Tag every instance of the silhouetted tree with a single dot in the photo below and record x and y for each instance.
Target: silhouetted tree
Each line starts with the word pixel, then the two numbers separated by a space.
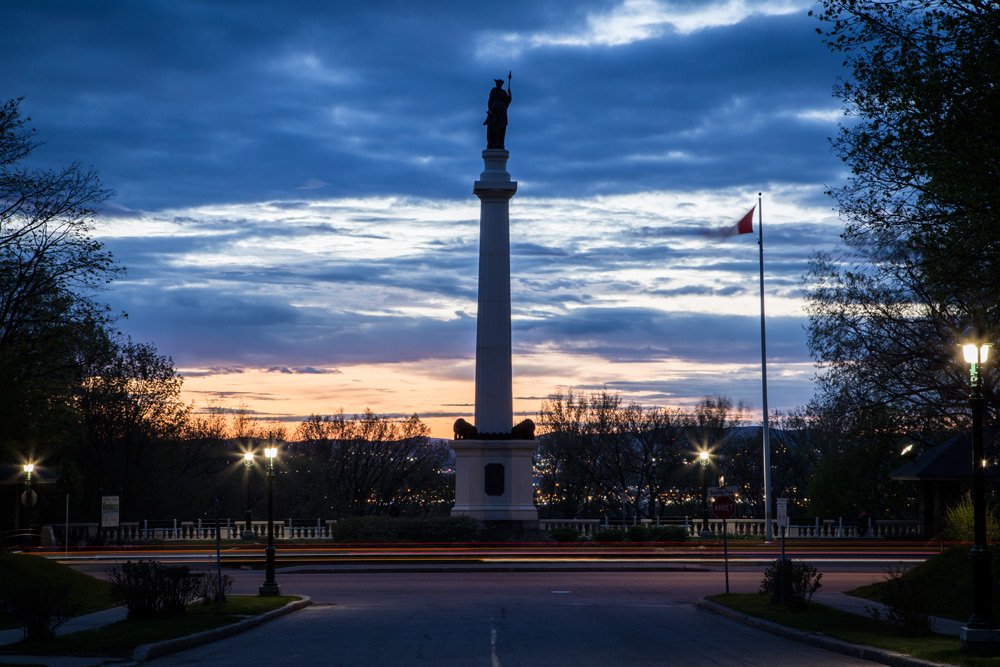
pixel 594 450
pixel 362 465
pixel 51 268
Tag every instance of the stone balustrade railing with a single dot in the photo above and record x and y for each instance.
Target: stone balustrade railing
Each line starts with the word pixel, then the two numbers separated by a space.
pixel 175 531
pixel 586 527
pixel 754 528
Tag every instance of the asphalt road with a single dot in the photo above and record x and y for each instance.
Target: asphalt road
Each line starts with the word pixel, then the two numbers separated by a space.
pixel 510 619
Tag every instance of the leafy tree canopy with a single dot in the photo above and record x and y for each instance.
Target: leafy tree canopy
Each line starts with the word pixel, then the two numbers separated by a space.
pixel 921 255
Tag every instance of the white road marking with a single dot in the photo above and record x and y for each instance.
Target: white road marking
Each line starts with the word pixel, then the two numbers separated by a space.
pixel 494 658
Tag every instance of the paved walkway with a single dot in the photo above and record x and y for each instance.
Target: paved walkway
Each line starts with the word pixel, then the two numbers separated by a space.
pixel 85 622
pixel 860 606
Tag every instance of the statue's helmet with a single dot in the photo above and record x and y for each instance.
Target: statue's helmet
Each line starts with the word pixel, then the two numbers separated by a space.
pixel 499 82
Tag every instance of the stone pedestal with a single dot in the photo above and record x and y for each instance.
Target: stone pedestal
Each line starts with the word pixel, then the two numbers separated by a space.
pixel 493 480
pixel 980 641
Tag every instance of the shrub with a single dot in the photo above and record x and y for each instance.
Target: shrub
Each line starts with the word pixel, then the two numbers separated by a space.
pixel 41 607
pixel 668 533
pixel 791 583
pixel 907 604
pixel 384 529
pixel 609 535
pixel 638 534
pixel 209 588
pixel 958 521
pixel 150 589
pixel 565 534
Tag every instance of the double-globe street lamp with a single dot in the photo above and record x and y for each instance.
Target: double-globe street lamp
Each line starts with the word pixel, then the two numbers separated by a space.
pixel 270 586
pixel 980 634
pixel 247 468
pixel 704 459
pixel 28 498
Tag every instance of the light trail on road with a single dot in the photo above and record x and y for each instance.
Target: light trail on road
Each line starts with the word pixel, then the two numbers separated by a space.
pixel 680 554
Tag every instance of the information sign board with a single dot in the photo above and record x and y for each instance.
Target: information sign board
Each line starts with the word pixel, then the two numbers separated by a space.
pixel 782 507
pixel 109 511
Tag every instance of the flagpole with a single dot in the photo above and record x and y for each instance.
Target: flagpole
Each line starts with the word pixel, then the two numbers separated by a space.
pixel 768 534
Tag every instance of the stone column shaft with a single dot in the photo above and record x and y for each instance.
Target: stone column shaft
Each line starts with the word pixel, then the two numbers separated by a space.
pixel 494 396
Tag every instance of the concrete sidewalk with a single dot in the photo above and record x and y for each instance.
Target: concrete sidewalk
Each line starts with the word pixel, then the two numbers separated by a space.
pixel 85 622
pixel 861 606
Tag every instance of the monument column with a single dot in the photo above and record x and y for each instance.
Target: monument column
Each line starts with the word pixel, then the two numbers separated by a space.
pixel 493 458
pixel 494 400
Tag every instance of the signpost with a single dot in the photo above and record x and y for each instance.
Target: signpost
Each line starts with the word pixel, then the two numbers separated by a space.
pixel 782 507
pixel 724 507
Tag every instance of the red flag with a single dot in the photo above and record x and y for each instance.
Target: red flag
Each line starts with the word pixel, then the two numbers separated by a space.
pixel 745 225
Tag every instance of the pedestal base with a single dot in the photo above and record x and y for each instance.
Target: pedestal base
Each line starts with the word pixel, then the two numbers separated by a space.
pixel 984 642
pixel 493 480
pixel 269 589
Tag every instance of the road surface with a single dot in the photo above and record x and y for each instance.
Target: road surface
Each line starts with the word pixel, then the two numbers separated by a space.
pixel 510 619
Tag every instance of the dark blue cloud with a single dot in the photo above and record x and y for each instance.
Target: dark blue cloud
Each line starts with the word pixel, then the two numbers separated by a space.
pixel 199 102
pixel 303 109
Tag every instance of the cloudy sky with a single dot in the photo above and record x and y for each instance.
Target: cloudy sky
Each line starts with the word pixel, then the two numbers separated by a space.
pixel 293 190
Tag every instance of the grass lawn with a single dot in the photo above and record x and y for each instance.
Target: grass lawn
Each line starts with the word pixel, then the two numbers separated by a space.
pixel 86 594
pixel 121 639
pixel 945 580
pixel 853 628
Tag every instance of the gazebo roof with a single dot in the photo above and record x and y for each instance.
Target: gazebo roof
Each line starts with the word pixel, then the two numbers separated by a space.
pixel 949 461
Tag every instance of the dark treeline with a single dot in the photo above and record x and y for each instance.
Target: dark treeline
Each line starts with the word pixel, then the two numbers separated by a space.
pixel 367 465
pixel 600 457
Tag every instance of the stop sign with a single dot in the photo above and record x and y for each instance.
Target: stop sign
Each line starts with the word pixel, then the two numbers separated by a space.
pixel 723 507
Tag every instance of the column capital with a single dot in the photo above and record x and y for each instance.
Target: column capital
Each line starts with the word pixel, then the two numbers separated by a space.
pixel 502 190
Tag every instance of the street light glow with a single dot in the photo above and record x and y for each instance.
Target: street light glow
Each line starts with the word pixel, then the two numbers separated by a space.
pixel 270 452
pixel 975 354
pixel 29 468
pixel 248 458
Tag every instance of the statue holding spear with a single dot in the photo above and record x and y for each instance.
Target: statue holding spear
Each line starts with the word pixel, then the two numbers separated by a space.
pixel 496 114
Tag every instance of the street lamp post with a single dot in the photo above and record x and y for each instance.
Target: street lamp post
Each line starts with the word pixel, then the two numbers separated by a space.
pixel 703 459
pixel 27 501
pixel 247 467
pixel 980 634
pixel 270 586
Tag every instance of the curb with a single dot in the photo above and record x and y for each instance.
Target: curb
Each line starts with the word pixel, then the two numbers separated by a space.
pixel 168 646
pixel 883 656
